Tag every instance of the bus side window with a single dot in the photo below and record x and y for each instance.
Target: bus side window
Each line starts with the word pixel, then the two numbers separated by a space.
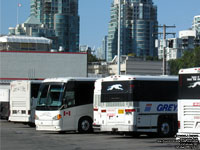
pixel 69 98
pixel 84 92
pixel 69 95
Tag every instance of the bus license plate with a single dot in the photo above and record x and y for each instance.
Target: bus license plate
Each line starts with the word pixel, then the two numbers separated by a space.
pixel 120 111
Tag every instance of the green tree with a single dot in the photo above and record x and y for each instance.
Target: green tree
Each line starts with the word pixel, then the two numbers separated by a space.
pixel 92 58
pixel 188 60
pixel 132 54
pixel 197 57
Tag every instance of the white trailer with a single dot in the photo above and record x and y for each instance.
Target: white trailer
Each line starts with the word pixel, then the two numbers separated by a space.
pixel 23 99
pixel 189 106
pixel 4 103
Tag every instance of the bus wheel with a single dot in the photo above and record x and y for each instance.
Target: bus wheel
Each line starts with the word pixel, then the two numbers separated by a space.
pixel 62 132
pixel 165 128
pixel 85 125
pixel 30 124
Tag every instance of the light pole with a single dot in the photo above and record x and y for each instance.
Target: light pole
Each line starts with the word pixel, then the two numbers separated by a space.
pixel 118 47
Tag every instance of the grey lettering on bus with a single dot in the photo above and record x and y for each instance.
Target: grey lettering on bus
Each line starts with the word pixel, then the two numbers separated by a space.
pixel 167 107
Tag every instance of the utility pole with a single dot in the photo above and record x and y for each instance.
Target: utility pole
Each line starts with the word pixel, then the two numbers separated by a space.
pixel 118 47
pixel 164 45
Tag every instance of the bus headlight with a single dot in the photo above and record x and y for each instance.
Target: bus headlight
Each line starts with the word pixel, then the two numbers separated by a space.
pixel 57 117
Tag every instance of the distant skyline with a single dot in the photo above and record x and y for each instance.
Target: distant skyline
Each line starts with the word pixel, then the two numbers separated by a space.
pixel 95 15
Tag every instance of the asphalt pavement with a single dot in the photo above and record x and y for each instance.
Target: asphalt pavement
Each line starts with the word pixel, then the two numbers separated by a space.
pixel 17 136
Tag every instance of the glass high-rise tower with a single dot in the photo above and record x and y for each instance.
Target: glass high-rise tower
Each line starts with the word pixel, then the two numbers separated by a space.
pixel 138 27
pixel 61 19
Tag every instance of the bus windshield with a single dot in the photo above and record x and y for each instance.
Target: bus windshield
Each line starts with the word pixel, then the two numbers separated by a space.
pixel 189 86
pixel 50 96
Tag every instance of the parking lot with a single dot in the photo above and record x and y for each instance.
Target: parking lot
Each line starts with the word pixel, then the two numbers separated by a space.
pixel 17 136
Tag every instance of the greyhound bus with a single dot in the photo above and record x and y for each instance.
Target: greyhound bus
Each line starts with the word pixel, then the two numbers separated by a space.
pixel 23 98
pixel 189 105
pixel 136 104
pixel 65 104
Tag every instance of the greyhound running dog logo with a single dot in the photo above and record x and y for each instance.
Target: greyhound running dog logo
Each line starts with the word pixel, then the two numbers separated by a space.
pixel 116 87
pixel 195 84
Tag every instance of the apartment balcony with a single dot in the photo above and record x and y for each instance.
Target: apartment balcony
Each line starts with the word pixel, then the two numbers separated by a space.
pixel 47 5
pixel 185 41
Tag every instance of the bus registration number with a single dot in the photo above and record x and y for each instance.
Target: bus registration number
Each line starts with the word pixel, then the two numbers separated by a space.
pixel 120 111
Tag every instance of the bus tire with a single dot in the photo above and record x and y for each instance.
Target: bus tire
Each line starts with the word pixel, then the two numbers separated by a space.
pixel 85 125
pixel 136 134
pixel 31 124
pixel 165 128
pixel 61 132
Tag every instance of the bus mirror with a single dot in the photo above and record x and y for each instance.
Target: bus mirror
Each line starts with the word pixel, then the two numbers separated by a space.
pixel 64 106
pixel 65 103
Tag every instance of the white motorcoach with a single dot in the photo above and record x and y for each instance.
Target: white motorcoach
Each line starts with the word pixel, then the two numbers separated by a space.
pixel 189 105
pixel 23 99
pixel 137 104
pixel 65 104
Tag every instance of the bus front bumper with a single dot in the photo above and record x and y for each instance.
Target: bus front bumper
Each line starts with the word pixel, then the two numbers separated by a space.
pixel 48 128
pixel 48 125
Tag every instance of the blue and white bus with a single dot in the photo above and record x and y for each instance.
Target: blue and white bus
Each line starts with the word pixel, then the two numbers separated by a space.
pixel 131 103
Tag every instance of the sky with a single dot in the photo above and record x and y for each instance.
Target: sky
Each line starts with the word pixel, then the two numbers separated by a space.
pixel 95 15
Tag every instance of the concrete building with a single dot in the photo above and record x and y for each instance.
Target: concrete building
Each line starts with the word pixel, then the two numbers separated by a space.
pixel 187 33
pixel 40 65
pixel 129 66
pixel 86 49
pixel 188 39
pixel 31 27
pixel 196 24
pixel 196 27
pixel 99 52
pixel 54 19
pixel 175 47
pixel 24 43
pixel 138 23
